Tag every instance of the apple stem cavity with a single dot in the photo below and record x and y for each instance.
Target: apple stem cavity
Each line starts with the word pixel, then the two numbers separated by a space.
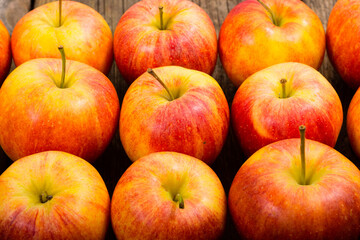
pixel 283 84
pixel 302 154
pixel 161 82
pixel 44 197
pixel 161 8
pixel 63 61
pixel 274 20
pixel 60 10
pixel 179 198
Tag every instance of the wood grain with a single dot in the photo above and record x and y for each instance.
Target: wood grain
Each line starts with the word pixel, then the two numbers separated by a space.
pixel 12 11
pixel 114 161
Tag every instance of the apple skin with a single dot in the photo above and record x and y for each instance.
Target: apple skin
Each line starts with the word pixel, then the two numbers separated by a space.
pixel 190 39
pixel 79 209
pixel 38 116
pixel 259 117
pixel 84 33
pixel 352 123
pixel 249 40
pixel 5 50
pixel 342 43
pixel 267 202
pixel 195 123
pixel 142 205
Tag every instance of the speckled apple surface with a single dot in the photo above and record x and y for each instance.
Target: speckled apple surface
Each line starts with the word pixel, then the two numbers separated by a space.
pixel 5 52
pixel 196 122
pixel 188 40
pixel 342 43
pixel 266 200
pixel 142 205
pixel 84 33
pixel 79 207
pixel 249 40
pixel 38 115
pixel 260 115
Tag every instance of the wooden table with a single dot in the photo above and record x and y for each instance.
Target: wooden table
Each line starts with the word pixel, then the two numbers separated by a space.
pixel 114 161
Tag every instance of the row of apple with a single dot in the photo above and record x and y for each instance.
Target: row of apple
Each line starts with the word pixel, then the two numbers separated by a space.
pixel 38 115
pixel 168 195
pixel 142 30
pixel 150 121
pixel 165 195
pixel 181 33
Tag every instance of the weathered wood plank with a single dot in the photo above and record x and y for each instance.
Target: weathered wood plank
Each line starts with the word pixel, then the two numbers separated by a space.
pixel 12 11
pixel 323 9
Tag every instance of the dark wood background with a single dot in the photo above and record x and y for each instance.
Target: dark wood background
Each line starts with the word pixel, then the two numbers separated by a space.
pixel 114 161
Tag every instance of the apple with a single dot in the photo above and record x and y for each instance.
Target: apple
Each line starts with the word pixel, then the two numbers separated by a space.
pixel 274 196
pixel 83 31
pixel 53 195
pixel 352 123
pixel 181 110
pixel 5 52
pixel 168 195
pixel 272 103
pixel 47 107
pixel 154 33
pixel 342 43
pixel 258 34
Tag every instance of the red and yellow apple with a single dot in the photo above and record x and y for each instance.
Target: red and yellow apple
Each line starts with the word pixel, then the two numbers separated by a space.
pixel 53 195
pixel 182 34
pixel 257 34
pixel 168 195
pixel 40 112
pixel 263 111
pixel 269 200
pixel 5 52
pixel 82 30
pixel 353 123
pixel 342 42
pixel 194 120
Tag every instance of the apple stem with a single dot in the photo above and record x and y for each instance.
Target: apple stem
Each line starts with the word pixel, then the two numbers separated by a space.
pixel 302 153
pixel 63 61
pixel 269 11
pixel 161 82
pixel 44 197
pixel 161 8
pixel 283 84
pixel 60 9
pixel 179 198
